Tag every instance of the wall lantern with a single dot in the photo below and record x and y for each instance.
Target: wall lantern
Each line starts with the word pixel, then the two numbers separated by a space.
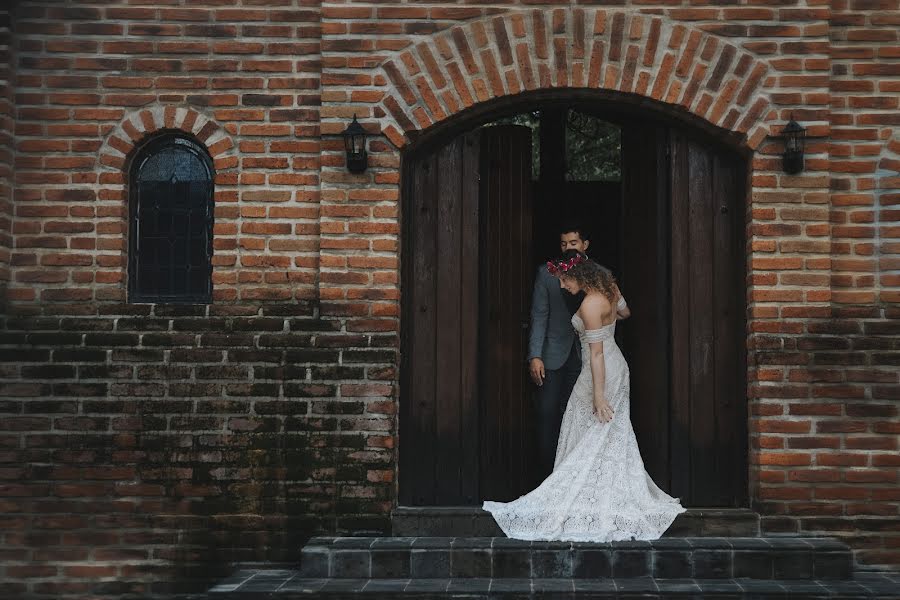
pixel 355 145
pixel 794 136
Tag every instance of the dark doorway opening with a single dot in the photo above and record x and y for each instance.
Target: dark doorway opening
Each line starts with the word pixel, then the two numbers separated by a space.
pixel 664 205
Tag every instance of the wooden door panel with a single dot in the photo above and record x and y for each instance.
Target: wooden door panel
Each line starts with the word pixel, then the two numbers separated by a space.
pixel 469 325
pixel 439 442
pixel 680 337
pixel 701 294
pixel 457 287
pixel 682 275
pixel 417 418
pixel 464 416
pixel 730 330
pixel 506 280
pixel 708 389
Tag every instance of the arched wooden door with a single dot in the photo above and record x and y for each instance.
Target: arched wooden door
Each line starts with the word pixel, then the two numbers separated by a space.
pixel 465 406
pixel 465 424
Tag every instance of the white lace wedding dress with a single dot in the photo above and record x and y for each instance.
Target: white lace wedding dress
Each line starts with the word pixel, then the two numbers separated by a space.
pixel 598 490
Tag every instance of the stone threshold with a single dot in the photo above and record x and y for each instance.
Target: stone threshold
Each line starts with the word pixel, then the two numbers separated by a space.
pixel 458 558
pixel 285 584
pixel 474 522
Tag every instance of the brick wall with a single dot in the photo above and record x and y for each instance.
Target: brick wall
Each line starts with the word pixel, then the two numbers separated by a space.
pixel 88 78
pixel 143 449
pixel 6 147
pixel 145 446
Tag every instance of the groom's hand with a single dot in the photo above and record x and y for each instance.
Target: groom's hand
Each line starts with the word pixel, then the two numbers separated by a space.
pixel 536 367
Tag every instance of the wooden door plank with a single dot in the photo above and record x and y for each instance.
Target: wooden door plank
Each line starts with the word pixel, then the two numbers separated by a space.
pixel 506 233
pixel 488 314
pixel 731 417
pixel 723 183
pixel 520 293
pixel 680 408
pixel 512 409
pixel 740 472
pixel 448 246
pixel 643 282
pixel 702 372
pixel 422 347
pixel 469 306
pixel 405 410
pixel 520 151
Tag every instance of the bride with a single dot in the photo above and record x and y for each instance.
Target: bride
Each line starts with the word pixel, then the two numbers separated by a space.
pixel 598 490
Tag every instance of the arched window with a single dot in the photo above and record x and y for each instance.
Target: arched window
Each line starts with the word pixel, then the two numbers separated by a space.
pixel 171 222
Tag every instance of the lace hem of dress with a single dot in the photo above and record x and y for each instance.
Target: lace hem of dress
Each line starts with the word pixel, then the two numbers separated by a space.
pixel 621 528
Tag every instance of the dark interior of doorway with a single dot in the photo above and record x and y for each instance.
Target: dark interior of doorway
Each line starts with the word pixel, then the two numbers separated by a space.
pixel 576 179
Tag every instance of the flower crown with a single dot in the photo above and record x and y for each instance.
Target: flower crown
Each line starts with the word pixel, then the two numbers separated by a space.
pixel 563 266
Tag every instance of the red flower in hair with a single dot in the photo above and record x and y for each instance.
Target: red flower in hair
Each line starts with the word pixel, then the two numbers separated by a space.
pixel 564 265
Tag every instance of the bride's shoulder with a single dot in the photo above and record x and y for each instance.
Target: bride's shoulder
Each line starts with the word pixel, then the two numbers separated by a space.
pixel 594 308
pixel 596 302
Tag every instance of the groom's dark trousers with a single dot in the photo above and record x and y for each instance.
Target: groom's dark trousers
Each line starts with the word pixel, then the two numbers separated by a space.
pixel 554 341
pixel 551 400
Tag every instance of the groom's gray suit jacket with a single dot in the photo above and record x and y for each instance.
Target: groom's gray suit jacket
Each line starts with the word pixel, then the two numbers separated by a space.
pixel 552 334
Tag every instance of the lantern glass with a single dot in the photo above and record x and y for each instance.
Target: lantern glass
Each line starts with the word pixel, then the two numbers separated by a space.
pixel 355 147
pixel 353 143
pixel 794 136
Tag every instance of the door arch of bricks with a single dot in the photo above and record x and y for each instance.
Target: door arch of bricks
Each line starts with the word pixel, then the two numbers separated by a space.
pixel 635 57
pixel 440 81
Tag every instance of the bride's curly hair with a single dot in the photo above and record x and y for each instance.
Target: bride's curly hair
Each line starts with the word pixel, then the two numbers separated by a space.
pixel 590 275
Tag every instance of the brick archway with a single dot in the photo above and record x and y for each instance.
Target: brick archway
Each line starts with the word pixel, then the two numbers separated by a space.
pixel 631 53
pixel 138 126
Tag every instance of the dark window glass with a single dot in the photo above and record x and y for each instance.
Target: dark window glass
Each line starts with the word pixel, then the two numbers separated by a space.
pixel 170 247
pixel 593 149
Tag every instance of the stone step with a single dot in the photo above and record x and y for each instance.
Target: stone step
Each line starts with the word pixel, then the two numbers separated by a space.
pixel 761 558
pixel 466 521
pixel 290 585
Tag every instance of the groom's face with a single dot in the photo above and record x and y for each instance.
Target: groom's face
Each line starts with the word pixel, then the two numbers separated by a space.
pixel 572 241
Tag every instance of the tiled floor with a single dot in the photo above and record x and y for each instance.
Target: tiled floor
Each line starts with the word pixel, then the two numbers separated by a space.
pixel 287 582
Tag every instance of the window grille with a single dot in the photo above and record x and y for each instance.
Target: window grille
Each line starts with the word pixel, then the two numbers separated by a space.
pixel 171 223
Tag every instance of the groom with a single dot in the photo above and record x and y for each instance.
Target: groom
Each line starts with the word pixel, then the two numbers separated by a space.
pixel 554 354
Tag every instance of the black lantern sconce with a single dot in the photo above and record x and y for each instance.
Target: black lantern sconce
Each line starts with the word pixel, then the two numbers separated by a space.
pixel 794 136
pixel 355 145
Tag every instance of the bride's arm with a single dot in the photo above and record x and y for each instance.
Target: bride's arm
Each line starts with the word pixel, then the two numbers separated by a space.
pixel 622 310
pixel 598 374
pixel 593 309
